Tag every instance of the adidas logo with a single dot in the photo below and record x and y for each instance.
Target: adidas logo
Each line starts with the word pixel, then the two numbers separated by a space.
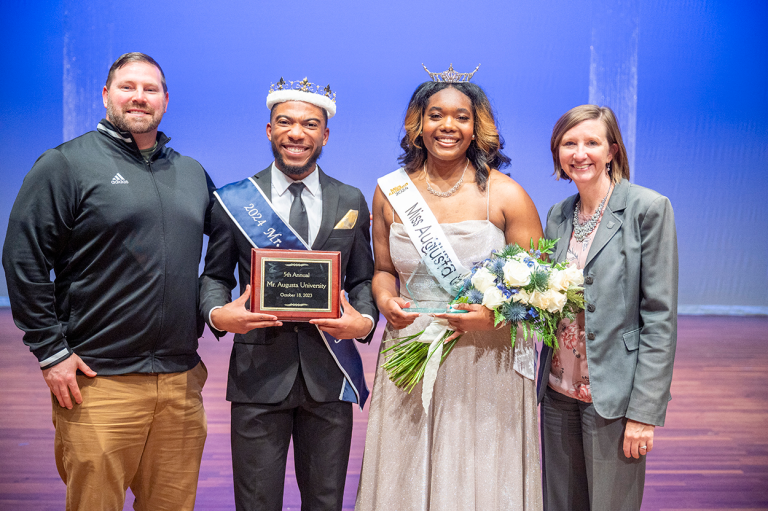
pixel 119 180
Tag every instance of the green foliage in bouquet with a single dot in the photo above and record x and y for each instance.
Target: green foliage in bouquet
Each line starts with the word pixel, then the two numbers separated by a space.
pixel 523 290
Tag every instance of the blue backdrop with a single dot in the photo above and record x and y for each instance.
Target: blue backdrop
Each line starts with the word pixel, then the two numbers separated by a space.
pixel 687 79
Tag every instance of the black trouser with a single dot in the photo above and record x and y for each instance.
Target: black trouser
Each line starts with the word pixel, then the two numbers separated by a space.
pixel 261 434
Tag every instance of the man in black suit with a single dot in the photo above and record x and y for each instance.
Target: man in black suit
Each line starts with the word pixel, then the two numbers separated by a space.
pixel 287 379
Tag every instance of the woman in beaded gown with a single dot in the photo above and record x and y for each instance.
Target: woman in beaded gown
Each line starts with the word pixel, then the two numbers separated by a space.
pixel 477 447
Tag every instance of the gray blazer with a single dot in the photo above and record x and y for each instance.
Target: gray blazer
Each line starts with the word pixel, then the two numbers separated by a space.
pixel 630 286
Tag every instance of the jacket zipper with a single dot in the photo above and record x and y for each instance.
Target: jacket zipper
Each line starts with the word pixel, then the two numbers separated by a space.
pixel 165 263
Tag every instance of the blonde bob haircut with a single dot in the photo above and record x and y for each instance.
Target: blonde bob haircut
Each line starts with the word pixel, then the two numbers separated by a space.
pixel 577 115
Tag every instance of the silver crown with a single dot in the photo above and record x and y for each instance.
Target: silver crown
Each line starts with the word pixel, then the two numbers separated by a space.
pixel 451 76
pixel 303 86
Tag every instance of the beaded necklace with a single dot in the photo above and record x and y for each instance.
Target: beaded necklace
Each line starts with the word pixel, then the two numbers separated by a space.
pixel 582 230
pixel 449 192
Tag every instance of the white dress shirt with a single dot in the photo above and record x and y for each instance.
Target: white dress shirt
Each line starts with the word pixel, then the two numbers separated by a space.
pixel 312 196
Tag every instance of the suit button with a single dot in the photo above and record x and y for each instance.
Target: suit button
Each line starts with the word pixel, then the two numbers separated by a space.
pixel 591 307
pixel 588 279
pixel 591 336
pixel 296 329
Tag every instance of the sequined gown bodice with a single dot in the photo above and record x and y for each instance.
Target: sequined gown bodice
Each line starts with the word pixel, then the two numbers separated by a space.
pixel 477 448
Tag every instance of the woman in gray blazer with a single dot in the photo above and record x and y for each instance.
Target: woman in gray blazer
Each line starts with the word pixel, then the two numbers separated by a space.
pixel 606 388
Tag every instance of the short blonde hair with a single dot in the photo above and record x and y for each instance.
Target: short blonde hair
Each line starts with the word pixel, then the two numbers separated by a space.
pixel 579 114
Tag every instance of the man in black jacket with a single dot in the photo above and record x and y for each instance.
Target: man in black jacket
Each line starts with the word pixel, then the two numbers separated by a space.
pixel 289 379
pixel 119 217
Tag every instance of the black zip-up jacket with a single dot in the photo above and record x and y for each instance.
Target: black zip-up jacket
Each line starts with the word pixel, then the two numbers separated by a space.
pixel 123 237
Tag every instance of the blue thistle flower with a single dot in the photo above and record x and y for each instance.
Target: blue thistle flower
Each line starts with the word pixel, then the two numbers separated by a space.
pixel 474 296
pixel 497 268
pixel 468 281
pixel 540 279
pixel 514 311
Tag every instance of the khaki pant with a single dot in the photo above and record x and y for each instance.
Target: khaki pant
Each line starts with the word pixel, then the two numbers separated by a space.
pixel 143 431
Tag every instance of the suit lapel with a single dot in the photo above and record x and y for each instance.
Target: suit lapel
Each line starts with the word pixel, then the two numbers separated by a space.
pixel 264 181
pixel 611 221
pixel 330 205
pixel 565 229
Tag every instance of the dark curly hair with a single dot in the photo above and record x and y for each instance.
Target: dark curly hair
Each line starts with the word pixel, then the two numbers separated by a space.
pixel 485 150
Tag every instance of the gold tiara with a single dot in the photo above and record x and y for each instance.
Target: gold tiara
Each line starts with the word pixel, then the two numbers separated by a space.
pixel 451 76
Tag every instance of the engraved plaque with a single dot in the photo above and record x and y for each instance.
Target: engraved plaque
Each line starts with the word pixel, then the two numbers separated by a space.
pixel 295 285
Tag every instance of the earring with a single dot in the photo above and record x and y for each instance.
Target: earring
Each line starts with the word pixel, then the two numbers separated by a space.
pixel 473 137
pixel 608 167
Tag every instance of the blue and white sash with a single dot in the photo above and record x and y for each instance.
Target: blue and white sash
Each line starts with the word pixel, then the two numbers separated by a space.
pixel 253 214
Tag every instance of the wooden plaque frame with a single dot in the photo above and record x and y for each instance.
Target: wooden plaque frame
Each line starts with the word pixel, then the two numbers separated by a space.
pixel 297 310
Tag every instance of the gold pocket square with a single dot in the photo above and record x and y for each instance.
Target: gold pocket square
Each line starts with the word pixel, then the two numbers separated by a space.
pixel 349 220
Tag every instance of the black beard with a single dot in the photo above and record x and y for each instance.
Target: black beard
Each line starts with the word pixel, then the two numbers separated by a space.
pixel 293 170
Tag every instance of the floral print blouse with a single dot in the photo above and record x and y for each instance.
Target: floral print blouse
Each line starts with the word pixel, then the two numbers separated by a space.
pixel 569 373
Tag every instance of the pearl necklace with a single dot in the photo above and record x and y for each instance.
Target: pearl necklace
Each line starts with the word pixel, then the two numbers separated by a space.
pixel 581 231
pixel 449 192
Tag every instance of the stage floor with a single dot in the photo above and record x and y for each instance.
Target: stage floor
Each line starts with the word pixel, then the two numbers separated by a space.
pixel 711 455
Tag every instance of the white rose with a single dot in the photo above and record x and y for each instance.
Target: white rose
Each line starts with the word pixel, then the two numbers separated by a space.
pixel 555 300
pixel 483 279
pixel 558 280
pixel 516 274
pixel 492 298
pixel 539 299
pixel 522 297
pixel 575 275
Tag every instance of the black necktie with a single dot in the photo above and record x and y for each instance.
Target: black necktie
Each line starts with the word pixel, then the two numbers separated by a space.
pixel 298 217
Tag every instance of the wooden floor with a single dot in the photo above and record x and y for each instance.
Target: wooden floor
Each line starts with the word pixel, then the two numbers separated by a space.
pixel 712 454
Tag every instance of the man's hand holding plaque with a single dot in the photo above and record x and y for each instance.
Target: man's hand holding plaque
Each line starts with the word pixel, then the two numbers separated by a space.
pixel 351 325
pixel 236 318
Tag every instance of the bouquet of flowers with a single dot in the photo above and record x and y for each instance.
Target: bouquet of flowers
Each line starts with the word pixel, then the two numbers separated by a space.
pixel 521 288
